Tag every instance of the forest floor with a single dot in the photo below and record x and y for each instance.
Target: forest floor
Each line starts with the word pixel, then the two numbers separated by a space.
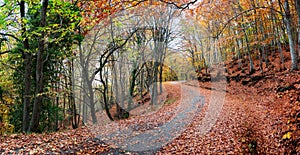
pixel 260 115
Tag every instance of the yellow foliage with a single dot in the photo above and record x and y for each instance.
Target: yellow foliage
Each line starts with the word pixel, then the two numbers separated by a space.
pixel 5 127
pixel 288 135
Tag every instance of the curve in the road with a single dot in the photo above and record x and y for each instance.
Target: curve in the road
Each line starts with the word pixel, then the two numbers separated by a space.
pixel 149 140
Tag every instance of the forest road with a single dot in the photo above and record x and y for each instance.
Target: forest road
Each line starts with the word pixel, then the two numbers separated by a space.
pixel 145 138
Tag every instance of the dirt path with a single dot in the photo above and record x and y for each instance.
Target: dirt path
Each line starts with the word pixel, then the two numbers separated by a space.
pixel 226 135
pixel 197 121
pixel 149 132
pixel 213 128
pixel 245 125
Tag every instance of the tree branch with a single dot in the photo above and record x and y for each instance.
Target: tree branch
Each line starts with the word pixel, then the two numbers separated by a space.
pixel 110 51
pixel 5 52
pixel 180 6
pixel 241 13
pixel 10 35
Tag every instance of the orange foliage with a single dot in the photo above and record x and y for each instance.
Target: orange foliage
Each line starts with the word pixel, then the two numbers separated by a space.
pixel 94 11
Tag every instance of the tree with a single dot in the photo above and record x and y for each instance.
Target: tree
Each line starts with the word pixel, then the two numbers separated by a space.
pixel 88 52
pixel 36 49
pixel 27 73
pixel 34 123
pixel 290 30
pixel 247 25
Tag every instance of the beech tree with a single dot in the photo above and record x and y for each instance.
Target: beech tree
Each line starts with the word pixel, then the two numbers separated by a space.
pixel 245 24
pixel 290 30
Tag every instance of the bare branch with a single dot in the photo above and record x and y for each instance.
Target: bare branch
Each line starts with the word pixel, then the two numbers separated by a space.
pixel 180 6
pixel 241 13
pixel 108 52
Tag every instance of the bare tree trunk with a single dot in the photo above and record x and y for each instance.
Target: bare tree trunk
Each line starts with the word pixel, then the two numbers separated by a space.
pixel 72 96
pixel 154 80
pixel 142 80
pixel 289 29
pixel 133 80
pixel 92 101
pixel 251 68
pixel 115 85
pixel 88 92
pixel 104 93
pixel 84 107
pixel 297 4
pixel 277 35
pixel 238 51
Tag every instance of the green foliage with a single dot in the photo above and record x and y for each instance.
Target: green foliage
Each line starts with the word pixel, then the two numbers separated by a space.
pixel 6 11
pixel 16 116
pixel 6 96
pixel 61 34
pixel 48 116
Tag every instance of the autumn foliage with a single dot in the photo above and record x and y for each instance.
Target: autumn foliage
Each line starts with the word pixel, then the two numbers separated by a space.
pixel 92 67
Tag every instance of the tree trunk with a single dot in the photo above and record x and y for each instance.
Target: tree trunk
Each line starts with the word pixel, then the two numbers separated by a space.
pixel 160 78
pixel 89 93
pixel 27 74
pixel 57 105
pixel 297 4
pixel 72 96
pixel 34 123
pixel 289 29
pixel 154 83
pixel 251 68
pixel 104 94
pixel 84 107
pixel 92 101
pixel 277 35
pixel 115 85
